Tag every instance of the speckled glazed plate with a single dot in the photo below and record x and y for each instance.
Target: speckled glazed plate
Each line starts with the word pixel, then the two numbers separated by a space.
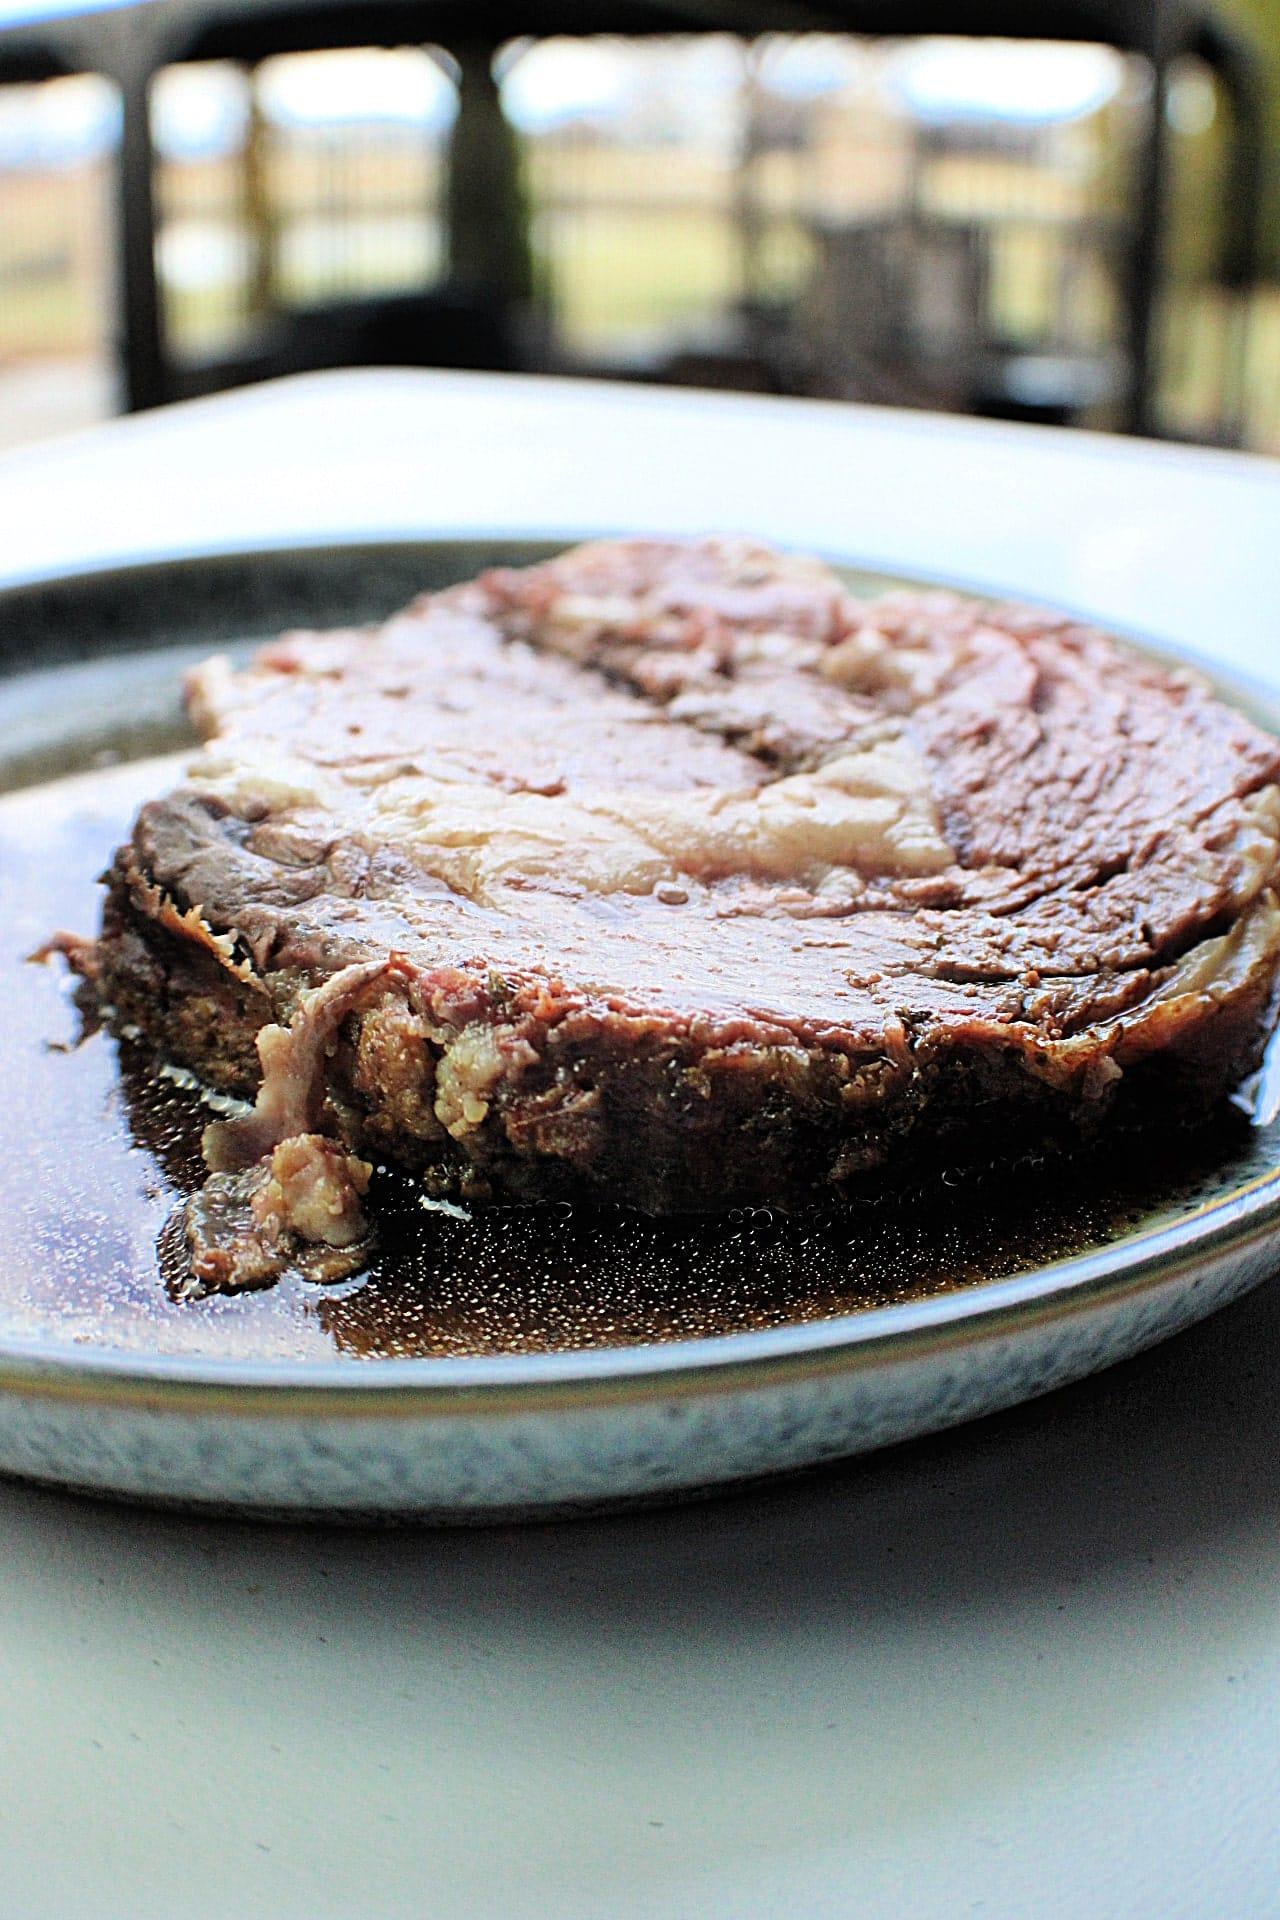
pixel 518 1360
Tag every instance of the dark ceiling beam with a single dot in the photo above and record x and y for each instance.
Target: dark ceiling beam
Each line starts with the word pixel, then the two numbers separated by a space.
pixel 27 58
pixel 162 31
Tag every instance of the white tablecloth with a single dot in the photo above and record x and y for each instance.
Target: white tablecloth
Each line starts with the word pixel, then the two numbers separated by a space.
pixel 1031 1668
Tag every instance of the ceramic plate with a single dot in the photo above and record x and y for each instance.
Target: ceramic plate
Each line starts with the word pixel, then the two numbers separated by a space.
pixel 515 1360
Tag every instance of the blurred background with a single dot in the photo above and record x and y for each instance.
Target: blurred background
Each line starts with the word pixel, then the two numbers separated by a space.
pixel 1065 212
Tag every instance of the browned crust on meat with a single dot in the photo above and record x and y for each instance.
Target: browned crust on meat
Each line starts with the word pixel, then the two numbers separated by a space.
pixel 626 1110
pixel 196 1011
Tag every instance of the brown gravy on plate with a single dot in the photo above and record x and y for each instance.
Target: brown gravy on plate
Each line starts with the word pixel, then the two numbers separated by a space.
pixel 97 1148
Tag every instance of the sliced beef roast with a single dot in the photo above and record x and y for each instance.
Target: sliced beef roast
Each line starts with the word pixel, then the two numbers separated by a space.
pixel 675 874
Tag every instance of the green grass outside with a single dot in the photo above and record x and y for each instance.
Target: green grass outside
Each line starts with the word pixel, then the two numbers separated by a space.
pixel 622 275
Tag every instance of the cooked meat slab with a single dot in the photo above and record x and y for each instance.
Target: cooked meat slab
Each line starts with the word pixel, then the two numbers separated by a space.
pixel 678 875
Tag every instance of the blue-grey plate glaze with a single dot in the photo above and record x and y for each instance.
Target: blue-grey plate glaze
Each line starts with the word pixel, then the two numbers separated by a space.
pixel 522 1360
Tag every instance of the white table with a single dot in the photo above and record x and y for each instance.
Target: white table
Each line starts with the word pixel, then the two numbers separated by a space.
pixel 1032 1668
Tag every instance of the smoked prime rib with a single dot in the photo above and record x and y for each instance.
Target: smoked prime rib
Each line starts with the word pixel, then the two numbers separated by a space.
pixel 674 874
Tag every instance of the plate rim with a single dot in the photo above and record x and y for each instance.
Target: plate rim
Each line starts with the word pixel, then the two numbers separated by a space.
pixel 1244 689
pixel 1129 1268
